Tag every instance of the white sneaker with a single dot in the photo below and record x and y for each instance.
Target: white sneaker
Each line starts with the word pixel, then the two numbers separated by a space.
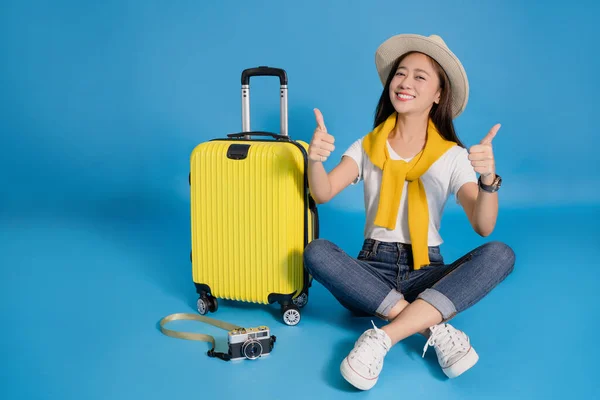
pixel 362 366
pixel 454 351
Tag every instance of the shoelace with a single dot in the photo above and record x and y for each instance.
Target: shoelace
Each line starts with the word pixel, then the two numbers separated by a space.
pixel 445 341
pixel 374 342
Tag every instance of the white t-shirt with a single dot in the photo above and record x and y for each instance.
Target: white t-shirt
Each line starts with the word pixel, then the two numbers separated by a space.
pixel 444 178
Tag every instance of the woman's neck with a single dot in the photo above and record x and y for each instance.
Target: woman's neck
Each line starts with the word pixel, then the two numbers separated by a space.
pixel 410 128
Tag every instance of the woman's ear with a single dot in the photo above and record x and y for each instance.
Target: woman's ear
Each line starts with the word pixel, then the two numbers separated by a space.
pixel 438 96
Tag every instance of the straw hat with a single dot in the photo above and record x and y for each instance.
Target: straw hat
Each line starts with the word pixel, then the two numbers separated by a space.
pixel 434 47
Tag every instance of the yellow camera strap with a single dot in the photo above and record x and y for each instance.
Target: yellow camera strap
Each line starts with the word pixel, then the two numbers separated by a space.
pixel 197 336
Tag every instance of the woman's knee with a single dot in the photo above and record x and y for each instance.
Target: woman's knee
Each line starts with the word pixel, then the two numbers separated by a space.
pixel 316 254
pixel 502 256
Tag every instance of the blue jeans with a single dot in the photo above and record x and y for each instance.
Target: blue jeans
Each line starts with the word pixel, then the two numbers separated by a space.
pixel 381 276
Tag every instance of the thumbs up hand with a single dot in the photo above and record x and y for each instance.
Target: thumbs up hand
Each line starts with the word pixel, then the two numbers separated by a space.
pixel 482 156
pixel 321 144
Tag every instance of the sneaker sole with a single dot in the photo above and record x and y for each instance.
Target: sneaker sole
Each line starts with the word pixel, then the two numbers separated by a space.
pixel 354 378
pixel 462 365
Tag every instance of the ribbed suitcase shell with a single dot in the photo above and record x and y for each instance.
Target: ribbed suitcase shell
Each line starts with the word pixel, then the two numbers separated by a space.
pixel 248 219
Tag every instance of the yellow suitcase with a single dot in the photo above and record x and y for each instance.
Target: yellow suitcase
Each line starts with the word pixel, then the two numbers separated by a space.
pixel 252 214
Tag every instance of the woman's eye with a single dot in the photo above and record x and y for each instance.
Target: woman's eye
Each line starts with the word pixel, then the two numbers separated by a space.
pixel 420 77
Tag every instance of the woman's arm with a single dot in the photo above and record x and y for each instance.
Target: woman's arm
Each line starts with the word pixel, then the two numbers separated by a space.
pixel 480 206
pixel 325 186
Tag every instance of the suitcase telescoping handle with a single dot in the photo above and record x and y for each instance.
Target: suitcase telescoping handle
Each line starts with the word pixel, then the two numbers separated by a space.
pixel 283 98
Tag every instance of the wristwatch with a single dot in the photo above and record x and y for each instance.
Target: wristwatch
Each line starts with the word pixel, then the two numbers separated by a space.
pixel 491 188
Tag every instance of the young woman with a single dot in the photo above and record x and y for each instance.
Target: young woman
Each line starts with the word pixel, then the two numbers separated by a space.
pixel 410 164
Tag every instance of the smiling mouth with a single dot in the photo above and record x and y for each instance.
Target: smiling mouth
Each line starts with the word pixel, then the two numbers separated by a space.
pixel 404 97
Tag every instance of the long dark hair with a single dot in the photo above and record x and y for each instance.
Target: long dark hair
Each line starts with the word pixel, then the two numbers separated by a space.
pixel 440 114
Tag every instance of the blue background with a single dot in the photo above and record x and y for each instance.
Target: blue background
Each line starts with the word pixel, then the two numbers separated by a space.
pixel 101 104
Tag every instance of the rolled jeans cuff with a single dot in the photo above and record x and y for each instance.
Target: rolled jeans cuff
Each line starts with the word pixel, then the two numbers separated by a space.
pixel 440 302
pixel 392 298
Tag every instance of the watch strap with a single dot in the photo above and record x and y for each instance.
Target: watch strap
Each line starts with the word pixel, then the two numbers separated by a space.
pixel 494 187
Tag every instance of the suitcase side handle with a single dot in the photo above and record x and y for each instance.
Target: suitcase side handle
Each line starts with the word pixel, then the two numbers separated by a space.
pixel 283 97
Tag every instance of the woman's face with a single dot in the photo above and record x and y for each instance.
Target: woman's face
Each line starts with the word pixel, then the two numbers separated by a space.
pixel 415 86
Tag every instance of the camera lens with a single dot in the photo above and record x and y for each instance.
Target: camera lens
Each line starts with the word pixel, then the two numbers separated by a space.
pixel 252 349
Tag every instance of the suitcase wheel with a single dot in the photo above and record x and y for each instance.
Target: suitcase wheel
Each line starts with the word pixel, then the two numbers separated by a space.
pixel 207 304
pixel 290 314
pixel 301 300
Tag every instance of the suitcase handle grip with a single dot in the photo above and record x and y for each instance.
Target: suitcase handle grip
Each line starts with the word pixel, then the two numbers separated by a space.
pixel 244 134
pixel 283 100
pixel 264 71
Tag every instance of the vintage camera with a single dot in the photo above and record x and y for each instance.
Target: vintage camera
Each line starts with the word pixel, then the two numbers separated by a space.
pixel 250 343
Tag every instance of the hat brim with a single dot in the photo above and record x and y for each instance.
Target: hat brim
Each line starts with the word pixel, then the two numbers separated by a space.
pixel 389 51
